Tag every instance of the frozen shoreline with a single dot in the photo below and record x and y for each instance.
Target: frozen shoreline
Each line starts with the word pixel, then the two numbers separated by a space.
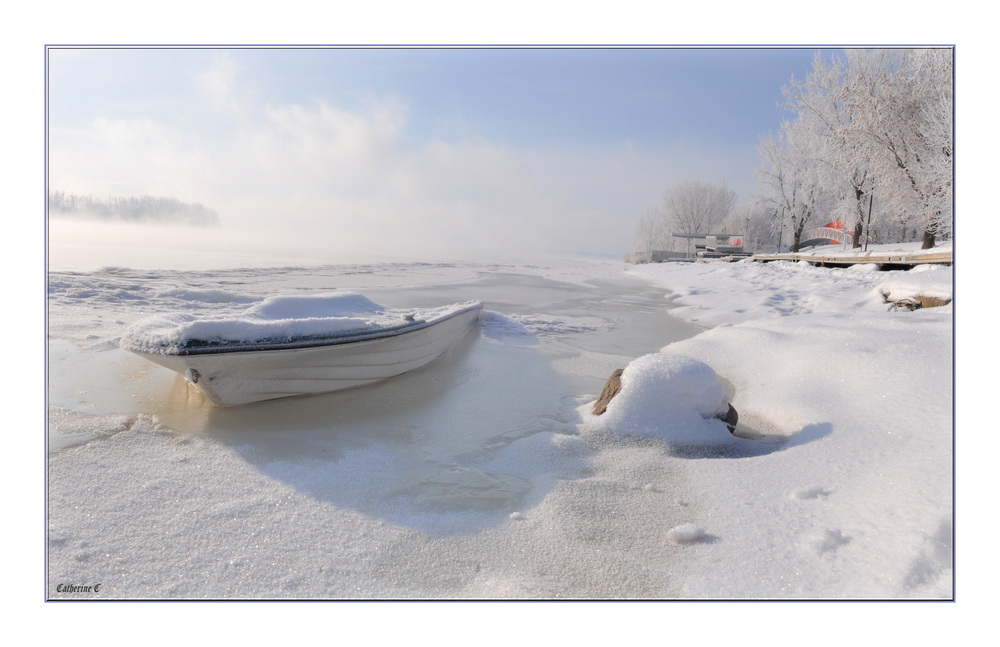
pixel 393 487
pixel 460 501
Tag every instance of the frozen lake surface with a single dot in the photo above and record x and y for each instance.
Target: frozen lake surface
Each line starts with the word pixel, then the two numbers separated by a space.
pixel 466 478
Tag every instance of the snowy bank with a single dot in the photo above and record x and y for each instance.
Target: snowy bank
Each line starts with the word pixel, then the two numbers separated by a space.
pixel 851 493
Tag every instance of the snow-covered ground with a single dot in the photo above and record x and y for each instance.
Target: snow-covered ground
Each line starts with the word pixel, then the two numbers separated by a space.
pixel 854 499
pixel 485 475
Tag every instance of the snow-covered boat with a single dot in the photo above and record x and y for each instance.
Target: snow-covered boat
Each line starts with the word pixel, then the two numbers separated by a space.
pixel 288 346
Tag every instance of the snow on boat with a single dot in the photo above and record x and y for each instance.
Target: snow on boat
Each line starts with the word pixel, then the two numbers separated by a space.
pixel 286 346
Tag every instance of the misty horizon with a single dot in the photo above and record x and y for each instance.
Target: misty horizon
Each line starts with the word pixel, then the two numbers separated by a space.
pixel 340 153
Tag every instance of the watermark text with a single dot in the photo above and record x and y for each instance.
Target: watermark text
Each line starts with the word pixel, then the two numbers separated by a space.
pixel 78 588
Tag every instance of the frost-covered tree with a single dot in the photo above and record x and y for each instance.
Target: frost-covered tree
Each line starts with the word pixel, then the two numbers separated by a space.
pixel 822 106
pixel 752 221
pixel 695 207
pixel 789 175
pixel 868 123
pixel 906 122
pixel 132 208
pixel 688 207
pixel 650 234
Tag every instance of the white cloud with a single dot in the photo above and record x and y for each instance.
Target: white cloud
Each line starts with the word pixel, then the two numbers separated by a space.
pixel 218 84
pixel 130 157
pixel 324 181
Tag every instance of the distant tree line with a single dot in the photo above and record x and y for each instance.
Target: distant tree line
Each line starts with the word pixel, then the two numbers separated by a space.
pixel 870 145
pixel 142 208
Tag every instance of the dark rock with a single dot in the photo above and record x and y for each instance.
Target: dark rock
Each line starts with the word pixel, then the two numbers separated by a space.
pixel 730 418
pixel 611 389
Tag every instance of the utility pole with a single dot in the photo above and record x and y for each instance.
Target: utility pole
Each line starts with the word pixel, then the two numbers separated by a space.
pixel 871 199
pixel 781 231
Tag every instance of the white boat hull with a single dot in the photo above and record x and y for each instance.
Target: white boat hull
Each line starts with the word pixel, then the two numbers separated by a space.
pixel 240 377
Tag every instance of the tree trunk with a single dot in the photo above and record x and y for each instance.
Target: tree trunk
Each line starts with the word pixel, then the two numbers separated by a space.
pixel 929 239
pixel 859 197
pixel 931 230
pixel 797 229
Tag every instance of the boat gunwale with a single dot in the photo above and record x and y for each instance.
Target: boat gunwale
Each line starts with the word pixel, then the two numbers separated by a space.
pixel 316 342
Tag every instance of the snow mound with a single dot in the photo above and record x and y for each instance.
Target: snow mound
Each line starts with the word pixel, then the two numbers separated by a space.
pixel 807 493
pixel 926 280
pixel 343 304
pixel 686 534
pixel 277 319
pixel 671 397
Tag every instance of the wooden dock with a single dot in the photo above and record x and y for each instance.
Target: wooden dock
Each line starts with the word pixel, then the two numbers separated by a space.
pixel 886 260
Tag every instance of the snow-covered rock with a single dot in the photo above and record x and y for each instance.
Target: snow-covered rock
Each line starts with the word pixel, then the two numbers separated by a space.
pixel 671 397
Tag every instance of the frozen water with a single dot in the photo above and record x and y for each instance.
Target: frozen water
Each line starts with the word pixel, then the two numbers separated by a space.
pixel 450 454
pixel 480 475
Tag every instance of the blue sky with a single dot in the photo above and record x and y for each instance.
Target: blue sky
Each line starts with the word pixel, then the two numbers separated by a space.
pixel 410 152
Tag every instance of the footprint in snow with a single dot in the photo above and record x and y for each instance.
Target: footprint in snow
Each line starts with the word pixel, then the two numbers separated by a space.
pixel 828 541
pixel 929 571
pixel 813 492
